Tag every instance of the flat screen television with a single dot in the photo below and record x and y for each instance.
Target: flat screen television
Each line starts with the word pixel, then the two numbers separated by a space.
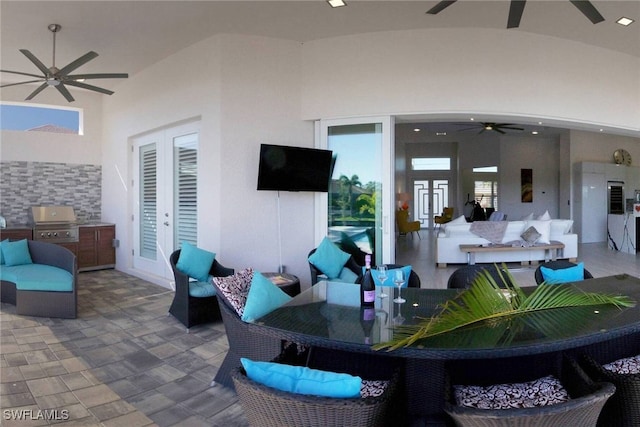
pixel 285 168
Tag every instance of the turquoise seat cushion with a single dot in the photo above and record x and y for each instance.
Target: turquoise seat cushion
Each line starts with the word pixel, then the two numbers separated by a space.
pixel 38 277
pixel 302 380
pixel 201 289
pixel 563 275
pixel 2 256
pixel 264 296
pixel 391 272
pixel 346 275
pixel 329 258
pixel 16 253
pixel 195 262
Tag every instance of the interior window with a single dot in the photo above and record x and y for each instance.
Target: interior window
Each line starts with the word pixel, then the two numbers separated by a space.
pixel 40 118
pixel 431 163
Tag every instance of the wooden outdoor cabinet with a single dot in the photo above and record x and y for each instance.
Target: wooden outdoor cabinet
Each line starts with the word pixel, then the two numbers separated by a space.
pixel 95 247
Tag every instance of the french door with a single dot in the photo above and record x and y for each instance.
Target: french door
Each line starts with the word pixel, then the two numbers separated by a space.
pixel 165 176
pixel 431 197
pixel 359 204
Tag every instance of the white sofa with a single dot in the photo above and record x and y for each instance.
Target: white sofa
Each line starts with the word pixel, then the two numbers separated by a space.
pixel 451 236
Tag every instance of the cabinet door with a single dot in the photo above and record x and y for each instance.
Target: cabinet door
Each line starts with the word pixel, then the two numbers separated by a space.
pixel 106 252
pixel 87 253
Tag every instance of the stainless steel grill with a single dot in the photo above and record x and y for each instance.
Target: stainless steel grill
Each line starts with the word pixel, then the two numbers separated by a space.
pixel 55 224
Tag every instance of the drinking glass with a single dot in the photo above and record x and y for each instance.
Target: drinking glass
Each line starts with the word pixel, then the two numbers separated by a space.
pixel 382 276
pixel 398 279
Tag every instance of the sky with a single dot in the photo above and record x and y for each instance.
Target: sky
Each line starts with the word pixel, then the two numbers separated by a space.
pixel 24 117
pixel 357 154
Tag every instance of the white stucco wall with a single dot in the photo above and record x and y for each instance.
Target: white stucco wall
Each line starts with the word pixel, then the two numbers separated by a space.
pixel 457 71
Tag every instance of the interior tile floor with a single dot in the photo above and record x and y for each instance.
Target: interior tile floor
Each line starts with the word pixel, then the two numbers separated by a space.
pixel 125 362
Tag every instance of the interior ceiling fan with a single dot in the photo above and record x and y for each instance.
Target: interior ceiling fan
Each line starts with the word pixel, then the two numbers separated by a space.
pixel 495 127
pixel 59 78
pixel 517 7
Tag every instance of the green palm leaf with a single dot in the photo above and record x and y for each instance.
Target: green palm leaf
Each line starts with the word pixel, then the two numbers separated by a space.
pixel 487 302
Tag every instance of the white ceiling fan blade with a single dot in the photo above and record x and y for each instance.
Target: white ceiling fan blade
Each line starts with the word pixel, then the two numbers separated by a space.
pixel 35 61
pixel 77 63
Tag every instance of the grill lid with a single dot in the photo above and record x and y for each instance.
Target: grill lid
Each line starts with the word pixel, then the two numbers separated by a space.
pixel 43 215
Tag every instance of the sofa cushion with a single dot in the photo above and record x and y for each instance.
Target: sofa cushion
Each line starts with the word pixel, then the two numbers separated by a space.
pixel 263 297
pixel 545 216
pixel 201 289
pixel 329 258
pixel 16 253
pixel 2 256
pixel 302 380
pixel 530 235
pixel 38 277
pixel 561 226
pixel 543 227
pixel 541 392
pixel 195 262
pixel 627 365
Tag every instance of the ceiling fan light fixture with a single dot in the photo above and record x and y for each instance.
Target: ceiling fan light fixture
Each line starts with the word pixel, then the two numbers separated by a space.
pixel 53 82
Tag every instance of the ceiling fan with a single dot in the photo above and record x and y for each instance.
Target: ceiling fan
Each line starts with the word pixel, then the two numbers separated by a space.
pixel 495 127
pixel 517 7
pixel 59 78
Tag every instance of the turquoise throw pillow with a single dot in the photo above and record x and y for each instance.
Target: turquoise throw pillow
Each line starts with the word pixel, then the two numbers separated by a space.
pixel 563 275
pixel 16 253
pixel 329 259
pixel 303 380
pixel 346 275
pixel 390 275
pixel 263 297
pixel 195 262
pixel 2 256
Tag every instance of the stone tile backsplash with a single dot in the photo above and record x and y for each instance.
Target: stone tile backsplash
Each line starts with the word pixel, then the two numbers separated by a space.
pixel 27 184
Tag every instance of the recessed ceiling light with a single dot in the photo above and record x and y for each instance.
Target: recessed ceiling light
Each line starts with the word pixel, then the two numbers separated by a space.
pixel 535 132
pixel 416 130
pixel 441 134
pixel 625 21
pixel 336 3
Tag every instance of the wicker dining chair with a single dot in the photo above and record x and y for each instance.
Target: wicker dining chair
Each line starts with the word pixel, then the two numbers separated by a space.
pixel 587 399
pixel 623 409
pixel 243 342
pixel 557 265
pixel 190 310
pixel 268 407
pixel 463 277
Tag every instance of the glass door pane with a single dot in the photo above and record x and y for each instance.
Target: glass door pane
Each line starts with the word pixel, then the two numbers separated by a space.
pixel 357 207
pixel 185 192
pixel 148 214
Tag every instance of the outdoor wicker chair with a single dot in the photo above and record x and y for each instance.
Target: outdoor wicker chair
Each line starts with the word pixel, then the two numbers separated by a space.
pixel 623 409
pixel 316 272
pixel 464 276
pixel 191 310
pixel 268 407
pixel 243 342
pixel 587 399
pixel 557 265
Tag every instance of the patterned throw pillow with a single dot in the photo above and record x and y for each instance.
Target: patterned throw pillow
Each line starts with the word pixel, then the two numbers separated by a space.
pixel 235 288
pixel 530 235
pixel 628 365
pixel 373 388
pixel 541 392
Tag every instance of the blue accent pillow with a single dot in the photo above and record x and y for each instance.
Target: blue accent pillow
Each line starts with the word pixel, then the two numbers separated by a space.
pixel 195 262
pixel 329 259
pixel 303 380
pixel 390 275
pixel 263 297
pixel 563 275
pixel 346 275
pixel 2 256
pixel 16 253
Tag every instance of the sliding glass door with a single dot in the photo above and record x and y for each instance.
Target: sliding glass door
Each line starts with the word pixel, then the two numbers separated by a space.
pixel 358 208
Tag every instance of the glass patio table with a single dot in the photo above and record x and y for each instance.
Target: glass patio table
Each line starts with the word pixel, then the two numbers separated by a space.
pixel 328 316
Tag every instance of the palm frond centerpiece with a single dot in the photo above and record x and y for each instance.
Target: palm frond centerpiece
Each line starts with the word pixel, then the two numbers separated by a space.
pixel 486 302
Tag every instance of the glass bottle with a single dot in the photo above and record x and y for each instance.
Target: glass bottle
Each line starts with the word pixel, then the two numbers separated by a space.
pixel 367 286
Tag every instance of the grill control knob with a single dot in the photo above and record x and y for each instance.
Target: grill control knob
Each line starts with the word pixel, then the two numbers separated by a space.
pixel 48 234
pixel 68 234
pixel 42 235
pixel 55 234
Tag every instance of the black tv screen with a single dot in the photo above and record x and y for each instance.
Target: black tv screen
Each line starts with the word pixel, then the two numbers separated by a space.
pixel 285 168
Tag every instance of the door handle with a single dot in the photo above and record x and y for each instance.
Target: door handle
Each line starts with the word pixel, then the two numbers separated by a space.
pixel 166 223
